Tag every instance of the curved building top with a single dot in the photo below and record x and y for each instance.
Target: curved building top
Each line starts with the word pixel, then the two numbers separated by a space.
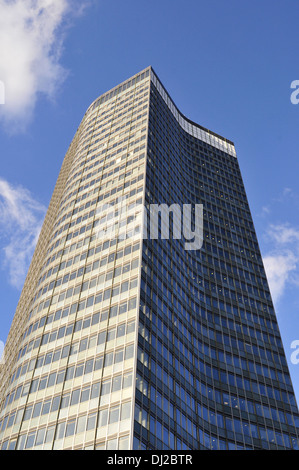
pixel 189 126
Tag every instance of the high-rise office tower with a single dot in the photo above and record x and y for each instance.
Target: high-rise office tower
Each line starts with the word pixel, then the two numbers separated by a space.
pixel 122 340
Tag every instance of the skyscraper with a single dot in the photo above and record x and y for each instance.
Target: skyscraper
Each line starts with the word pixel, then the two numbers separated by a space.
pixel 122 340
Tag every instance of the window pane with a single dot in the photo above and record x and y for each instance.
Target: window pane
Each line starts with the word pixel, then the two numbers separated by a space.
pixel 125 411
pixel 114 415
pixel 116 383
pixel 40 437
pixel 103 418
pixel 91 422
pixel 70 428
pixel 30 440
pixel 75 397
pixel 81 424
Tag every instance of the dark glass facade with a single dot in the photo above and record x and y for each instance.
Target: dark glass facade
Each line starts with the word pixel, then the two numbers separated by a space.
pixel 211 369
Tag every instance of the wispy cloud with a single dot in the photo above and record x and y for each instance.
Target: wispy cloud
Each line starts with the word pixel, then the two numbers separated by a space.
pixel 282 260
pixel 287 196
pixel 31 40
pixel 21 219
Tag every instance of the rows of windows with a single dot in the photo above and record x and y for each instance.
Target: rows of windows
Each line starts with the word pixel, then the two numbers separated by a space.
pixel 100 247
pixel 224 401
pixel 76 172
pixel 218 374
pixel 100 296
pixel 88 392
pixel 255 338
pixel 242 435
pixel 75 426
pixel 105 167
pixel 234 333
pixel 108 161
pixel 118 118
pixel 193 277
pixel 125 126
pixel 86 228
pixel 76 347
pixel 209 351
pixel 122 353
pixel 105 194
pixel 98 390
pixel 129 161
pixel 174 145
pixel 187 418
pixel 121 88
pixel 100 263
pixel 207 328
pixel 175 335
pixel 66 330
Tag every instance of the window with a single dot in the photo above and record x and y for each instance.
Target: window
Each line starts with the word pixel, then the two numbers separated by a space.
pixel 125 411
pixel 103 418
pixel 114 414
pixel 70 428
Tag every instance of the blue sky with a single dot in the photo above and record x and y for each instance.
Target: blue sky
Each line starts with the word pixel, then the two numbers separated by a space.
pixel 227 65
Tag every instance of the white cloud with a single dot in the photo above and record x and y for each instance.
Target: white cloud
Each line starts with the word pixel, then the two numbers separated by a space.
pixel 282 261
pixel 31 38
pixel 279 269
pixel 21 220
pixel 284 234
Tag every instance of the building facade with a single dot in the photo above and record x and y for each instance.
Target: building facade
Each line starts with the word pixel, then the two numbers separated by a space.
pixel 122 341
